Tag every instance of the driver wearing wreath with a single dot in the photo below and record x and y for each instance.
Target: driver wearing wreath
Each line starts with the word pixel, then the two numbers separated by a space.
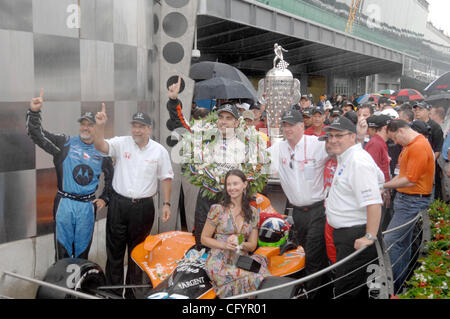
pixel 229 151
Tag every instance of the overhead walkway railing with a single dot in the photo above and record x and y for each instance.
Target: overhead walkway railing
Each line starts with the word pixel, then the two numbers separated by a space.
pixel 329 19
pixel 308 11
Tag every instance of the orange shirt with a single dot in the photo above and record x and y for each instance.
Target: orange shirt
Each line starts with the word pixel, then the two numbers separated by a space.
pixel 417 164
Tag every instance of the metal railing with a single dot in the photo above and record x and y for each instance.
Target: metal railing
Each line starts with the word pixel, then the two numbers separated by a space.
pixel 411 224
pixel 304 279
pixel 46 284
pixel 384 278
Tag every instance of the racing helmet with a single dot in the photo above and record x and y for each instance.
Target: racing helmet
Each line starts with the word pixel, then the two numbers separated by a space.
pixel 273 232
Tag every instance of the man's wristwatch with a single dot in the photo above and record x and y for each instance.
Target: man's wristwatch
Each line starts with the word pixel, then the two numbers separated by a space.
pixel 166 203
pixel 370 237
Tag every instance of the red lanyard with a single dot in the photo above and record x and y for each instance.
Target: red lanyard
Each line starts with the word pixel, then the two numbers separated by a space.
pixel 304 150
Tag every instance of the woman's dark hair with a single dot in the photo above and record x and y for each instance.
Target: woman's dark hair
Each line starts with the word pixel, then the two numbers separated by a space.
pixel 246 196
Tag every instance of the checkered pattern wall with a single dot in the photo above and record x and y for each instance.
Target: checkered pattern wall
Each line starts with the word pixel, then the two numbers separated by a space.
pixel 106 54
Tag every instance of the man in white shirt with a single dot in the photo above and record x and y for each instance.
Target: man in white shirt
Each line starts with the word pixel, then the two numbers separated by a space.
pixel 300 160
pixel 353 207
pixel 139 163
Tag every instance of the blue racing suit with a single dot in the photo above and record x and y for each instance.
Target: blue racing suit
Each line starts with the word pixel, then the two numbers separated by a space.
pixel 78 168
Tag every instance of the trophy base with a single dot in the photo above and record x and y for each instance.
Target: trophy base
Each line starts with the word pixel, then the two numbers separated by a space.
pixel 275 139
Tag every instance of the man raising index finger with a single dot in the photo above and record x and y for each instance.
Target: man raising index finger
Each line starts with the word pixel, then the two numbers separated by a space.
pixel 78 167
pixel 140 163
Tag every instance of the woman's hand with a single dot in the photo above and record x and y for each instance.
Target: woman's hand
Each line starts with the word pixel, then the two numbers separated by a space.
pixel 231 243
pixel 233 239
pixel 229 246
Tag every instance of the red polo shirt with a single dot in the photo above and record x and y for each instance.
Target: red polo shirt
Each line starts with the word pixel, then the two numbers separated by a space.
pixel 310 131
pixel 260 125
pixel 328 174
pixel 377 148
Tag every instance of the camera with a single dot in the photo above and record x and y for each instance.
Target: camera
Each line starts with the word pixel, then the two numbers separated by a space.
pixel 196 53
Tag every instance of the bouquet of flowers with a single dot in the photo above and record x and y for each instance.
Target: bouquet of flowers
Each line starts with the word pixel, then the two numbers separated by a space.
pixel 198 152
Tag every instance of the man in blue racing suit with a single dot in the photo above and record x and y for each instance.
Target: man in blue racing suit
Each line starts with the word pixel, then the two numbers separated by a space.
pixel 78 167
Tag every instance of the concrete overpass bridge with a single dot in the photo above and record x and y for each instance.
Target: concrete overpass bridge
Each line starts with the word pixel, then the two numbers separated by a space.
pixel 242 33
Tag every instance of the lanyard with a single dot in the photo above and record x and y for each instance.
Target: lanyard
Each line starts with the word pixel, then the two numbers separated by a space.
pixel 292 152
pixel 304 149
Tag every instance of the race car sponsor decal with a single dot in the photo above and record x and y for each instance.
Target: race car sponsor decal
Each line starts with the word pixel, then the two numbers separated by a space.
pixel 165 295
pixel 83 174
pixel 191 283
pixel 295 254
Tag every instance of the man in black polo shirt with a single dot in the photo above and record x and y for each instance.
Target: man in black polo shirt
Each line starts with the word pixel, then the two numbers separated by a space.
pixel 436 138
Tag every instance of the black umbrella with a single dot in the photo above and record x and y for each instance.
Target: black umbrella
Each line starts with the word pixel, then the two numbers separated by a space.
pixel 440 84
pixel 206 70
pixel 439 99
pixel 223 88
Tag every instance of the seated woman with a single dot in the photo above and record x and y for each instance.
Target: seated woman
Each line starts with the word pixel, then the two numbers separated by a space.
pixel 226 221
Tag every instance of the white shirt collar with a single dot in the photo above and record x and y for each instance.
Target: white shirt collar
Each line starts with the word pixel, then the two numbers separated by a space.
pixel 227 140
pixel 145 147
pixel 344 156
pixel 296 145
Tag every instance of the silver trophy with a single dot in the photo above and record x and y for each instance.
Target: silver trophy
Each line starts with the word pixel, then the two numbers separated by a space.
pixel 278 91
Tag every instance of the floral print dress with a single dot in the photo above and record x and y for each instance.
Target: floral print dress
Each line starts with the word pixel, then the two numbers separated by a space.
pixel 228 279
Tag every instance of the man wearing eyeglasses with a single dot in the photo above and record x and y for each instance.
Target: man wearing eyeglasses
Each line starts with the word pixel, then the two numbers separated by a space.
pixel 353 207
pixel 300 160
